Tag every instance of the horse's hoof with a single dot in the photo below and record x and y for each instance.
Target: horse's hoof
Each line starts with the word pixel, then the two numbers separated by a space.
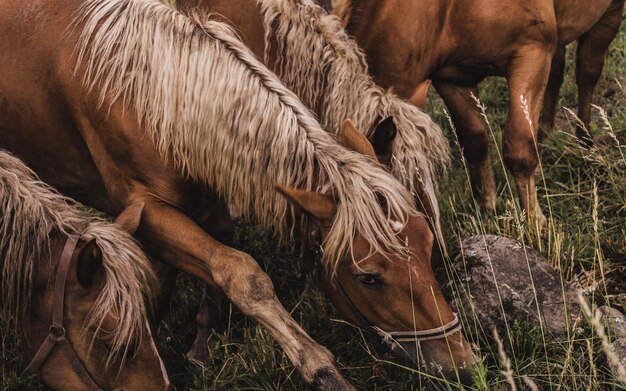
pixel 198 354
pixel 327 379
pixel 488 207
pixel 540 221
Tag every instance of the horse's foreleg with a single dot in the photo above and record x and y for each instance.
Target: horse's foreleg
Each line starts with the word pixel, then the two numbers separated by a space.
pixel 528 75
pixel 211 314
pixel 209 317
pixel 472 134
pixel 590 56
pixel 551 98
pixel 176 239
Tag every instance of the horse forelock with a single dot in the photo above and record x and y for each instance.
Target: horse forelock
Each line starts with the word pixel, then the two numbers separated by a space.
pixel 227 121
pixel 31 214
pixel 328 71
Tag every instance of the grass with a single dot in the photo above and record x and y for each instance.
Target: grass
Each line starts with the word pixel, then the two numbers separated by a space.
pixel 583 193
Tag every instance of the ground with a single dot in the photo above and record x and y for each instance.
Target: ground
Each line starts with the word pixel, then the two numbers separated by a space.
pixel 583 193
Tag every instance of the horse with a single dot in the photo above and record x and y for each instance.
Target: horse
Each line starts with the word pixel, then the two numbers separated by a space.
pixel 458 44
pixel 101 338
pixel 325 68
pixel 328 72
pixel 141 105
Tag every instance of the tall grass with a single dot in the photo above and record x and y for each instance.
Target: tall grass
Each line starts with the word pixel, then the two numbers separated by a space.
pixel 582 192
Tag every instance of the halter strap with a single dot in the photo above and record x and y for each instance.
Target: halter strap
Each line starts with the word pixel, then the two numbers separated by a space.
pixel 392 338
pixel 57 334
pixel 444 331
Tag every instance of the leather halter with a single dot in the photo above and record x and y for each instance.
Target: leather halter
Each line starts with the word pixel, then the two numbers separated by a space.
pixel 391 338
pixel 57 335
pixel 395 338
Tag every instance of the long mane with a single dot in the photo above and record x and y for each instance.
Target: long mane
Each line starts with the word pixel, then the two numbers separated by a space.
pixel 225 120
pixel 328 71
pixel 31 213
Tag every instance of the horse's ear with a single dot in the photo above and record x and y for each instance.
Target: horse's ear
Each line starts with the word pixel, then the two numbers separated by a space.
pixel 89 266
pixel 130 218
pixel 321 206
pixel 354 140
pixel 383 136
pixel 420 95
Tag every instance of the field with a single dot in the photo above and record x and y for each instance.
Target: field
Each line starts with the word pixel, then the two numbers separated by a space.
pixel 583 193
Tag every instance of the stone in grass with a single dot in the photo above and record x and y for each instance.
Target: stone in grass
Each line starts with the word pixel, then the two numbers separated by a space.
pixel 615 327
pixel 491 273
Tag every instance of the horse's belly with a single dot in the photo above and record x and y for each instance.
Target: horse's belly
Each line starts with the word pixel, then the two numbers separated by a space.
pixel 469 75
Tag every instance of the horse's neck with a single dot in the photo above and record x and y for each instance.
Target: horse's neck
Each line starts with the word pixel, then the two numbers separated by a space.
pixel 243 15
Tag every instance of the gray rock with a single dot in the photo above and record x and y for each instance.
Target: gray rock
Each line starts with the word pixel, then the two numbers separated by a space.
pixel 497 275
pixel 615 326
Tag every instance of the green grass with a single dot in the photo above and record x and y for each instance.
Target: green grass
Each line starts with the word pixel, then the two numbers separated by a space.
pixel 583 192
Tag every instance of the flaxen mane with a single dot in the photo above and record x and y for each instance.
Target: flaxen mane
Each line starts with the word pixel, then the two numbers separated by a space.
pixel 224 119
pixel 329 73
pixel 31 213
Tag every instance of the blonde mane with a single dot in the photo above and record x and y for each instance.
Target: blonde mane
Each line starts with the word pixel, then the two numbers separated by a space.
pixel 328 71
pixel 31 213
pixel 212 108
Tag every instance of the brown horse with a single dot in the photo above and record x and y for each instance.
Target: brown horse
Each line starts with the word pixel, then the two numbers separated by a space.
pixel 108 281
pixel 325 68
pixel 457 44
pixel 138 104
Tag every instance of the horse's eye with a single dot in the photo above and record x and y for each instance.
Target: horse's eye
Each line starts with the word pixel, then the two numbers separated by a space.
pixel 370 279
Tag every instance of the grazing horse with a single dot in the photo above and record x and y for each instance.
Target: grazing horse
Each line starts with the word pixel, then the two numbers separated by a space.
pixel 138 104
pixel 54 251
pixel 326 69
pixel 457 44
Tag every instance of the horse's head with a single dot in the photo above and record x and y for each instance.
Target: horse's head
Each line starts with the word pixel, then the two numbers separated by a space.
pixel 381 138
pixel 397 295
pixel 91 345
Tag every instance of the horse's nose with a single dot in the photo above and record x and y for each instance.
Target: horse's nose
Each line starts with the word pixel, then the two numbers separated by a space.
pixel 422 356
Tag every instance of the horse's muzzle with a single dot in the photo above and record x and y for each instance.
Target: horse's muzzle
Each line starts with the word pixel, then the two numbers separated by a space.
pixel 457 370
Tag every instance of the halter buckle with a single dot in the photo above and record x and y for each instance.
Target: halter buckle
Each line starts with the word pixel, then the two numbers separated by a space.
pixel 58 332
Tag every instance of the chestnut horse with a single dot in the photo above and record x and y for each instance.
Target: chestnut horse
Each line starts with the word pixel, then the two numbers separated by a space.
pixel 138 104
pixel 101 338
pixel 326 69
pixel 457 44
